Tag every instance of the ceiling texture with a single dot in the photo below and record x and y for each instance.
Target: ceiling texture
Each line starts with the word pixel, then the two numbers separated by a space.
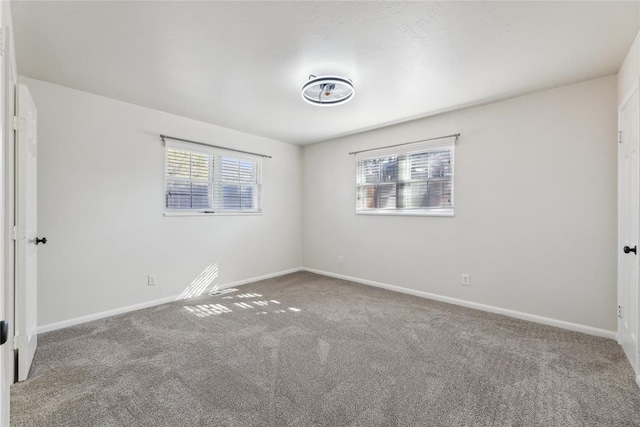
pixel 241 65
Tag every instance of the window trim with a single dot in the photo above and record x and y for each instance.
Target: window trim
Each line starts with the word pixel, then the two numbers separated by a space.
pixel 407 212
pixel 199 213
pixel 414 148
pixel 216 183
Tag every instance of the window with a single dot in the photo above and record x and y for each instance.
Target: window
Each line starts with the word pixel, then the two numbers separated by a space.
pixel 189 182
pixel 239 184
pixel 208 180
pixel 415 179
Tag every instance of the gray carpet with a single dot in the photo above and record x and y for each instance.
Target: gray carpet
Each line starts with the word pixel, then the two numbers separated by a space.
pixel 308 350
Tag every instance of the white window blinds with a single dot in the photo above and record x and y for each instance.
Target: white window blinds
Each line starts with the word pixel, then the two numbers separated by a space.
pixel 413 179
pixel 199 179
pixel 189 181
pixel 238 185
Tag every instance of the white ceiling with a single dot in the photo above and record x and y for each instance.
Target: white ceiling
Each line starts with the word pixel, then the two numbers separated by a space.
pixel 241 64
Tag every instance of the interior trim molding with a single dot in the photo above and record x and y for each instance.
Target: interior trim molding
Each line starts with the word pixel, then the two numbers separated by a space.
pixel 488 308
pixel 464 303
pixel 113 312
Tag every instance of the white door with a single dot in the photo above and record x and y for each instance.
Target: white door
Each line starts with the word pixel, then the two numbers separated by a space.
pixel 629 219
pixel 27 233
pixel 6 291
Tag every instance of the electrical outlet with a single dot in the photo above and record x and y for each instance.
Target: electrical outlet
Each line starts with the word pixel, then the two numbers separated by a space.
pixel 340 259
pixel 466 280
pixel 151 280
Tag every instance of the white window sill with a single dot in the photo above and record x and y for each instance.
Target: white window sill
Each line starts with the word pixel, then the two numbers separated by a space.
pixel 406 213
pixel 212 214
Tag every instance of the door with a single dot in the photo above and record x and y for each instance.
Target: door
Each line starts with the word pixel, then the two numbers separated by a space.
pixel 6 288
pixel 629 219
pixel 27 233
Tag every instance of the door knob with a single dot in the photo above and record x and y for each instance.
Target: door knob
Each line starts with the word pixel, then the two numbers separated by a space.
pixel 43 240
pixel 627 249
pixel 4 331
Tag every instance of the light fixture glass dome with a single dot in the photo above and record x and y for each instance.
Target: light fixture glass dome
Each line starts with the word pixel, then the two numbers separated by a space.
pixel 327 90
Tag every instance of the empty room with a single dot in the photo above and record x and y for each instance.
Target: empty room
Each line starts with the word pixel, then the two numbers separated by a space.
pixel 360 213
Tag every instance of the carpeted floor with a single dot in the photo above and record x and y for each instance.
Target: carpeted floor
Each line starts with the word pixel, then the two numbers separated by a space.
pixel 308 350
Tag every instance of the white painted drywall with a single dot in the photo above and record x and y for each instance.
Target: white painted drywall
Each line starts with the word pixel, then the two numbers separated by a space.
pixel 100 204
pixel 535 214
pixel 629 71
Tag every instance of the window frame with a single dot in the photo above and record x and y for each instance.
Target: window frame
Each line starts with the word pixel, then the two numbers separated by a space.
pixel 217 154
pixel 413 148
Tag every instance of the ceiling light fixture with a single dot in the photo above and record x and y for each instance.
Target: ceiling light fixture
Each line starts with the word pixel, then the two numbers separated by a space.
pixel 327 90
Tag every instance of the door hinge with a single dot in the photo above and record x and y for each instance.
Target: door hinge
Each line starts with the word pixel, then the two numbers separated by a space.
pixel 620 311
pixel 19 341
pixel 3 41
pixel 619 137
pixel 14 122
pixel 18 233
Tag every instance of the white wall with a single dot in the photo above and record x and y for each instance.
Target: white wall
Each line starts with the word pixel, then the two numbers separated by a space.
pixel 535 221
pixel 535 215
pixel 100 204
pixel 629 71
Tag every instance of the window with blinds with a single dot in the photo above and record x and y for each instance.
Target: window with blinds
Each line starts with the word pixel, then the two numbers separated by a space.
pixel 211 181
pixel 189 181
pixel 416 180
pixel 239 185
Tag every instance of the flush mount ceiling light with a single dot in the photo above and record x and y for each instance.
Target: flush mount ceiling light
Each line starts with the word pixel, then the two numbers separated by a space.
pixel 327 90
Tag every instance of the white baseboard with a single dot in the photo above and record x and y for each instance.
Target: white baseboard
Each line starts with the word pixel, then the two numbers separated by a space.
pixel 257 279
pixel 146 304
pixel 491 309
pixel 103 314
